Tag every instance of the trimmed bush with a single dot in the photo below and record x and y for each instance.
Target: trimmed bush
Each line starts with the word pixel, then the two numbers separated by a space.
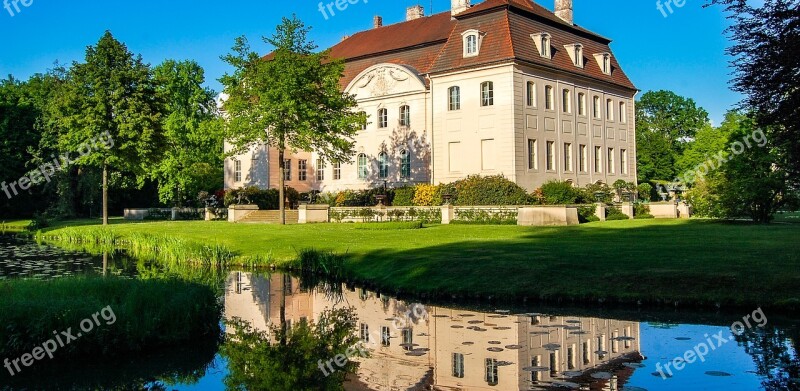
pixel 645 192
pixel 642 212
pixel 426 195
pixel 559 193
pixel 613 214
pixel 587 214
pixel 404 196
pixel 490 190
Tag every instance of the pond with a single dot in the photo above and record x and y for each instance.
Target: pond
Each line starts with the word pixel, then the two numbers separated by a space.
pixel 416 346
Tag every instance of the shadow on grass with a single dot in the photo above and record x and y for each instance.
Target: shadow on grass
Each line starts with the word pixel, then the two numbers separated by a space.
pixel 697 262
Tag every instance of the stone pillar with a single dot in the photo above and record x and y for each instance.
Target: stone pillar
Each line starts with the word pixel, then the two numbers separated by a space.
pixel 684 211
pixel 601 211
pixel 174 214
pixel 448 214
pixel 627 209
pixel 210 214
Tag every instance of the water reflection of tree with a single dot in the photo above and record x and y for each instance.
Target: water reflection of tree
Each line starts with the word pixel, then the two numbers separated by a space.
pixel 775 353
pixel 287 358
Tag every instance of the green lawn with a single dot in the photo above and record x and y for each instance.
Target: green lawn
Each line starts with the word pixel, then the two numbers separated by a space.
pixel 692 262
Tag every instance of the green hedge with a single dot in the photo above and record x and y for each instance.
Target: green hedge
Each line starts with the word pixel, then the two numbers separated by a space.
pixel 265 199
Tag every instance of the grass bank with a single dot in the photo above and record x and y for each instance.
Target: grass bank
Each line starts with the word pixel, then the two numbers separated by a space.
pixel 126 316
pixel 696 262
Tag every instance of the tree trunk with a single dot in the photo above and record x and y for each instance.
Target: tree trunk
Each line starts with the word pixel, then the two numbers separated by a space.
pixel 105 195
pixel 284 329
pixel 281 185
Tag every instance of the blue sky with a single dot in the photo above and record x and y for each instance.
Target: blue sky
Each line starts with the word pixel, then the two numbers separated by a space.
pixel 683 52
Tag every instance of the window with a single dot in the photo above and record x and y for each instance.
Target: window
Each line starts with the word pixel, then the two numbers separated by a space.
pixel 611 168
pixel 363 170
pixel 587 355
pixel 454 95
pixel 581 103
pixel 543 44
pixel 287 171
pixel 237 170
pixel 405 164
pixel 364 125
pixel 383 118
pixel 596 107
pixel 383 165
pixel 575 52
pixel 583 158
pixel 386 337
pixel 623 112
pixel 491 372
pixel 567 157
pixel 604 60
pixel 601 345
pixel 551 156
pixel 555 366
pixel 533 161
pixel 598 159
pixel 487 94
pixel 609 110
pixel 536 361
pixel 320 170
pixel 571 357
pixel 337 171
pixel 405 115
pixel 364 333
pixel 471 42
pixel 615 342
pixel 549 98
pixel 623 160
pixel 408 339
pixel 531 94
pixel 566 101
pixel 302 169
pixel 458 365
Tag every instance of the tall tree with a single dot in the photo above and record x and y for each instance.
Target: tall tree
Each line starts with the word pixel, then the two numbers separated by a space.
pixel 767 70
pixel 290 100
pixel 111 97
pixel 193 136
pixel 665 124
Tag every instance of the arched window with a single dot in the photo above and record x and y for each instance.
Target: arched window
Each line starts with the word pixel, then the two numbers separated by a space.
pixel 609 110
pixel 531 94
pixel 383 165
pixel 623 112
pixel 581 103
pixel 548 97
pixel 487 94
pixel 566 101
pixel 405 164
pixel 596 107
pixel 454 96
pixel 363 169
pixel 405 115
pixel 383 118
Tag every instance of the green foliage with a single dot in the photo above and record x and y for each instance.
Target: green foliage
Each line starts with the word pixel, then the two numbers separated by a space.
pixel 613 214
pixel 641 211
pixel 110 101
pixel 664 121
pixel 258 360
pixel 326 263
pixel 265 199
pixel 427 195
pixel 490 190
pixel 559 193
pixel 587 213
pixel 192 158
pixel 404 196
pixel 362 198
pixel 155 214
pixel 645 191
pixel 505 216
pixel 390 226
pixel 326 199
pixel 149 314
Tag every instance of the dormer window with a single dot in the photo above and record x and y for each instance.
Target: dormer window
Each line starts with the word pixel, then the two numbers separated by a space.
pixel 472 42
pixel 604 61
pixel 575 52
pixel 543 44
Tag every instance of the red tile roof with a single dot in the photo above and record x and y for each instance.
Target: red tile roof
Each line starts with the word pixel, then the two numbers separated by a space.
pixel 433 44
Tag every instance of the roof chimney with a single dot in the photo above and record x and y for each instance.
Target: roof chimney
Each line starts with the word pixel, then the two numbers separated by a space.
pixel 564 11
pixel 414 12
pixel 458 6
pixel 377 22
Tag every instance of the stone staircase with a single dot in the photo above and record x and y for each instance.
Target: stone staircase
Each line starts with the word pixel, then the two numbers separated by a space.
pixel 271 217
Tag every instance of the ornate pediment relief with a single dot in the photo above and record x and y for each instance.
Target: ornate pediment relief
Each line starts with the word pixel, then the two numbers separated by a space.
pixel 384 80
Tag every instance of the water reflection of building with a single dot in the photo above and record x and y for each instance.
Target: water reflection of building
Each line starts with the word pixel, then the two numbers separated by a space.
pixel 449 349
